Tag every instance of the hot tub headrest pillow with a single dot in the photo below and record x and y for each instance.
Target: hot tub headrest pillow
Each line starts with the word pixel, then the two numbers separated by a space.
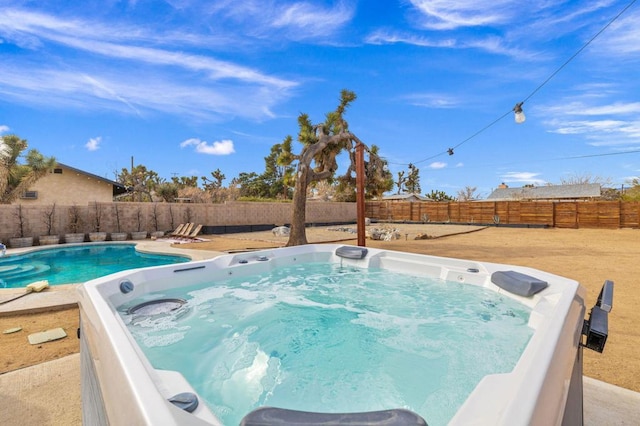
pixel 518 283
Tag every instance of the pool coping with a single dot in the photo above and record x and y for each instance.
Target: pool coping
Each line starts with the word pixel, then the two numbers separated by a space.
pixel 65 296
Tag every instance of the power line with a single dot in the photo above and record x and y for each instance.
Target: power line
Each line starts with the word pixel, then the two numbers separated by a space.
pixel 450 151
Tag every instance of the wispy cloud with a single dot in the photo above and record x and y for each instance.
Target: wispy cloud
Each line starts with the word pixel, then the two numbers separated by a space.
pixel 138 93
pixel 311 20
pixel 614 124
pixel 224 147
pixel 207 86
pixel 74 34
pixel 31 29
pixel 93 144
pixel 4 129
pixel 446 15
pixel 523 177
pixel 385 36
pixel 433 100
pixel 622 39
pixel 267 19
pixel 437 165
pixel 602 132
pixel 494 45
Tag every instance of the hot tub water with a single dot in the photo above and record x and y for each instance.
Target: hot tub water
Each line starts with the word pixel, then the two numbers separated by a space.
pixel 328 338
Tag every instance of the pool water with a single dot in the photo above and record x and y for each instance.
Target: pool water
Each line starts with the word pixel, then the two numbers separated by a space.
pixel 327 338
pixel 76 264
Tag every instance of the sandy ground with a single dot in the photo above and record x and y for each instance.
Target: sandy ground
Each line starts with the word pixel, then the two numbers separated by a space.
pixel 586 255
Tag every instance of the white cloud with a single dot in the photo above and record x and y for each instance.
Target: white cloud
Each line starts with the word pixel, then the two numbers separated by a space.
pixel 311 20
pixel 622 38
pixel 447 15
pixel 581 107
pixel 138 92
pixel 600 132
pixel 437 165
pixel 207 88
pixel 495 45
pixel 387 37
pixel 433 100
pixel 4 128
pixel 93 144
pixel 105 42
pixel 224 147
pixel 523 177
pixel 590 117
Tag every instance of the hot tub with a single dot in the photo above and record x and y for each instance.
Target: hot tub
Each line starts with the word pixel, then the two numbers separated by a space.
pixel 120 385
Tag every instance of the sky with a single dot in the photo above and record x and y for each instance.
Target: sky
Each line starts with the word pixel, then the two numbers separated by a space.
pixel 185 87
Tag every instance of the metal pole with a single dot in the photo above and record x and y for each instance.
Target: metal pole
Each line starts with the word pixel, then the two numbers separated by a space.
pixel 360 193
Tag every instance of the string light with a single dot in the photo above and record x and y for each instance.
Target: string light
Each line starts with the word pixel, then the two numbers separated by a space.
pixel 519 114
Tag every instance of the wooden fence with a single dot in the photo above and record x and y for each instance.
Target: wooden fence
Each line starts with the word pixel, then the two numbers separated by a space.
pixel 578 214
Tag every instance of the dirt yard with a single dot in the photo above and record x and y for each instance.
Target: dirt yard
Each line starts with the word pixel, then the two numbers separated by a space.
pixel 587 255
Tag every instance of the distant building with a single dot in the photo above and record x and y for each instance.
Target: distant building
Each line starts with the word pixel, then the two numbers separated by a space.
pixel 405 197
pixel 578 192
pixel 67 185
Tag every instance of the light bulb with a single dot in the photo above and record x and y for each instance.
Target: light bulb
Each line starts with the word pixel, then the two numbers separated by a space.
pixel 520 118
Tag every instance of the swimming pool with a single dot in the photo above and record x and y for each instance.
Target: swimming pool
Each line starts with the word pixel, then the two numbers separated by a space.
pixel 76 264
pixel 125 380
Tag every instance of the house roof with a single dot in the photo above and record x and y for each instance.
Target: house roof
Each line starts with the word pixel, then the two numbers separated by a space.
pixel 551 192
pixel 118 188
pixel 405 197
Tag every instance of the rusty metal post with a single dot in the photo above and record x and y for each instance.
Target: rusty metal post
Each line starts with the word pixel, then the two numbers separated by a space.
pixel 360 194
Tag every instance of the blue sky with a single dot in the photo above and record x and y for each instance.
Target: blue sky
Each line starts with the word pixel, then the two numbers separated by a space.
pixel 187 86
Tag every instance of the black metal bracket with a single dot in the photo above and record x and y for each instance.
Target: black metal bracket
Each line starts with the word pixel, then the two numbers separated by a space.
pixel 596 327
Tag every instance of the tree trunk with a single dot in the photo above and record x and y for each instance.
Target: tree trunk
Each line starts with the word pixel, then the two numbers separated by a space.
pixel 297 234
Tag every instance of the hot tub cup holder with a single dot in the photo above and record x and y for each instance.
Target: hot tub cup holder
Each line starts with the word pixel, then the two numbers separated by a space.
pixel 186 401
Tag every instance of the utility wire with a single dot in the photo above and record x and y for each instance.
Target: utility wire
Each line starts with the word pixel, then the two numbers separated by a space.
pixel 450 151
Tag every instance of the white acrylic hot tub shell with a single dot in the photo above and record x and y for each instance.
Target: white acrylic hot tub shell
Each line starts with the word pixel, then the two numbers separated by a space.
pixel 119 385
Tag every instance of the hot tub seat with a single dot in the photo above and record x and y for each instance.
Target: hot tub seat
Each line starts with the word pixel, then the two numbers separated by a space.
pixel 272 416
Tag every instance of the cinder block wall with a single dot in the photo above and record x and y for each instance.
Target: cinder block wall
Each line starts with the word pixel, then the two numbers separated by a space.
pixel 163 216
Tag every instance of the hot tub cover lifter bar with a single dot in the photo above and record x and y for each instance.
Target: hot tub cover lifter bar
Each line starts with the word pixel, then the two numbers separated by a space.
pixel 596 328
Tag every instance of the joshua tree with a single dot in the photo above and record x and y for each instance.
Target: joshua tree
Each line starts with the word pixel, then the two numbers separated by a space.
pixel 400 182
pixel 16 178
pixel 322 143
pixel 412 182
